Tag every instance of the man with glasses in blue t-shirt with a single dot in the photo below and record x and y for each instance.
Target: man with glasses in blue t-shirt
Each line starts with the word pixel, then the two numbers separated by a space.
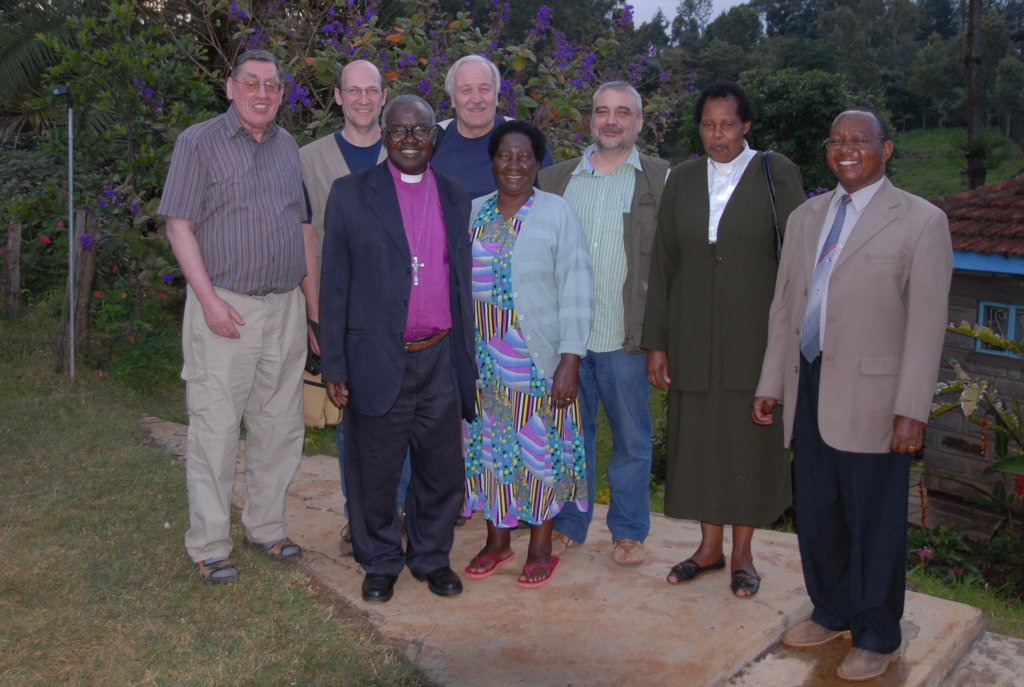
pixel 361 92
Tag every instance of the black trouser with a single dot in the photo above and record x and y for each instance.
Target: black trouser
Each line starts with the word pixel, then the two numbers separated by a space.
pixel 427 420
pixel 851 511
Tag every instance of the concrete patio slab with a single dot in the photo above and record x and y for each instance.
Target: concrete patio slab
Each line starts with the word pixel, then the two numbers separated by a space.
pixel 598 623
pixel 936 633
pixel 994 661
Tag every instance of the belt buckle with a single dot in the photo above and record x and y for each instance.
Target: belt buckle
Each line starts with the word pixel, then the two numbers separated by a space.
pixel 425 342
pixel 415 342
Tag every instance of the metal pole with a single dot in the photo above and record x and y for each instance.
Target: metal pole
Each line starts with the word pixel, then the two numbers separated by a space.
pixel 72 238
pixel 64 91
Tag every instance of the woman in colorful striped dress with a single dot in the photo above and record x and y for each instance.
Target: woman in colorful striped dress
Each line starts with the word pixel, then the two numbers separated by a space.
pixel 533 294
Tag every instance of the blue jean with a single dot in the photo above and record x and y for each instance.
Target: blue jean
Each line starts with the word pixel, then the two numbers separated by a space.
pixel 403 481
pixel 618 380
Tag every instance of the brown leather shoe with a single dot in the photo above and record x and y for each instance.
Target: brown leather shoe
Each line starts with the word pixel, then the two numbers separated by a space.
pixel 861 664
pixel 561 543
pixel 809 633
pixel 629 552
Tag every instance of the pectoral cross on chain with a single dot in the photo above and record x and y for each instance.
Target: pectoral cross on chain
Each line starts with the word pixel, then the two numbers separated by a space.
pixel 416 265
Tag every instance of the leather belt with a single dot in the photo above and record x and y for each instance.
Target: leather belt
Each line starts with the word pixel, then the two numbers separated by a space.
pixel 426 342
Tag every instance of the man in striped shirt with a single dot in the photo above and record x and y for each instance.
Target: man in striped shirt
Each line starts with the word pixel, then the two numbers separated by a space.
pixel 615 191
pixel 238 224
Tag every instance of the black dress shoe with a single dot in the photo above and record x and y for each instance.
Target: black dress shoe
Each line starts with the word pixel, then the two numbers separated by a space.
pixel 443 581
pixel 379 587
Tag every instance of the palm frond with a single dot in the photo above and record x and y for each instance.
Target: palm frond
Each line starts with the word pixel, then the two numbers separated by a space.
pixel 23 58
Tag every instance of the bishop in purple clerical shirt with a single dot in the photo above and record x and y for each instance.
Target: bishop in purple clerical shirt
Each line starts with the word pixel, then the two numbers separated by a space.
pixel 397 348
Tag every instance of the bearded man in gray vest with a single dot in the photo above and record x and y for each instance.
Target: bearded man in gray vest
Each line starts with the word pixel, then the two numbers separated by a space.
pixel 615 190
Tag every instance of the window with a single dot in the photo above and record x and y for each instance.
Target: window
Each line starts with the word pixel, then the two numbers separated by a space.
pixel 1005 320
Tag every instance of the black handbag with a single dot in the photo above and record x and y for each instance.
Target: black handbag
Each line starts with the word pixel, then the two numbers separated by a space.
pixel 766 167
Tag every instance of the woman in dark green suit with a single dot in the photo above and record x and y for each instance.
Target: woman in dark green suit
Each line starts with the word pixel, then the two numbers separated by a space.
pixel 712 278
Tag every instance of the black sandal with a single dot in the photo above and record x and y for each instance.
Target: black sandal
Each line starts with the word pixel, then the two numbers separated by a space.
pixel 750 582
pixel 690 569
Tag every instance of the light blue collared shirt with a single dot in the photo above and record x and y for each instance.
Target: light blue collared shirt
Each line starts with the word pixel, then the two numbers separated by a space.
pixel 854 209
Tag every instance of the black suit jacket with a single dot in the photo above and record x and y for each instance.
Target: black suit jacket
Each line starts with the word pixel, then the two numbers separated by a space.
pixel 364 291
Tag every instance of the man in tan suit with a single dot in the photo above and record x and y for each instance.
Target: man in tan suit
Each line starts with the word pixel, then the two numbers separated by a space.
pixel 854 340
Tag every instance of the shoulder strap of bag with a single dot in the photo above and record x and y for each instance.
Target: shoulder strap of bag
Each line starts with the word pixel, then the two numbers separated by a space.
pixel 766 167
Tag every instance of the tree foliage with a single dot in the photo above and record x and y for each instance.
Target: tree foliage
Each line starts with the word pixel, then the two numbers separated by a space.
pixel 793 18
pixel 740 26
pixel 691 18
pixel 909 54
pixel 142 70
pixel 794 112
pixel 24 58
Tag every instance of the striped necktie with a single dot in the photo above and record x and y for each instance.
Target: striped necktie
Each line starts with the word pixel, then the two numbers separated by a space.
pixel 810 344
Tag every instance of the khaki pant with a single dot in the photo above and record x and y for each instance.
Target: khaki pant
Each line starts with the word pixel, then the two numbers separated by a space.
pixel 256 378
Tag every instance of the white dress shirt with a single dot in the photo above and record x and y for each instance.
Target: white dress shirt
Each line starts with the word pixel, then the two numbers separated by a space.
pixel 722 180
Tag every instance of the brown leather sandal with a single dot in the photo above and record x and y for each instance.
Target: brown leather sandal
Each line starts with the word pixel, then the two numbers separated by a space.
pixel 282 550
pixel 217 571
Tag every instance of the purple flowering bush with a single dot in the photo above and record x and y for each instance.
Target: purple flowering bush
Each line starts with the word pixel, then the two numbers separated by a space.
pixel 545 77
pixel 144 72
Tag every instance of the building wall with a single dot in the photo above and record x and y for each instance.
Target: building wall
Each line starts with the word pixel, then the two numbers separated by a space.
pixel 953 444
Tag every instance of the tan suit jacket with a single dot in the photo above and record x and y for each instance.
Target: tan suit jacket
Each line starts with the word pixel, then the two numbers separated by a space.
pixel 886 316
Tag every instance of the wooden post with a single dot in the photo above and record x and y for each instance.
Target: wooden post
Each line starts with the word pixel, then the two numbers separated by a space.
pixel 86 280
pixel 12 270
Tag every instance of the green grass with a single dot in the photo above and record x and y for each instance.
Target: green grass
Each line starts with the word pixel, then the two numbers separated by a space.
pixel 1001 616
pixel 320 442
pixel 926 163
pixel 96 588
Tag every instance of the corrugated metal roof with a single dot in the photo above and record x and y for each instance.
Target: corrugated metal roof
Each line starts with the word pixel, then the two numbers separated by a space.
pixel 988 220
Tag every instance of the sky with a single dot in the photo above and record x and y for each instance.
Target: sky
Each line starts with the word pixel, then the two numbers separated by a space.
pixel 644 10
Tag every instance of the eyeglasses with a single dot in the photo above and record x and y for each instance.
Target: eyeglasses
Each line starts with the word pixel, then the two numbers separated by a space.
pixel 854 143
pixel 356 92
pixel 397 134
pixel 272 86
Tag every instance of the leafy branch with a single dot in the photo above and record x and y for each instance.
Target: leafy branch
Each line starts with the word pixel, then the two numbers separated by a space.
pixel 980 402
